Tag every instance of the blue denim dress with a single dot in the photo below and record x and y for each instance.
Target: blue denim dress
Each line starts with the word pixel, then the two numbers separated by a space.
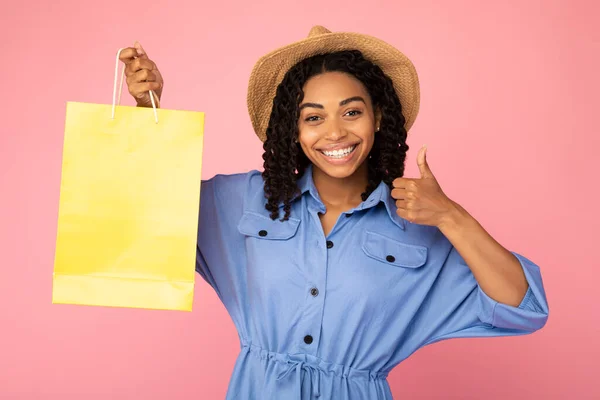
pixel 328 317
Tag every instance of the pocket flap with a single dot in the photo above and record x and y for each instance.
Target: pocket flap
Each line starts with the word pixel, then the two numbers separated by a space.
pixel 393 252
pixel 262 227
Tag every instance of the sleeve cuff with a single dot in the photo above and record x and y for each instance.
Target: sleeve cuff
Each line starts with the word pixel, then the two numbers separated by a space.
pixel 532 312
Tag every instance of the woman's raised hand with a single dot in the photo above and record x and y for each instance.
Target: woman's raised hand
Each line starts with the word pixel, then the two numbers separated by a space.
pixel 142 75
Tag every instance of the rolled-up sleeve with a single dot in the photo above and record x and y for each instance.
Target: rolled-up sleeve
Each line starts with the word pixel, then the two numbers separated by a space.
pixel 465 310
pixel 530 315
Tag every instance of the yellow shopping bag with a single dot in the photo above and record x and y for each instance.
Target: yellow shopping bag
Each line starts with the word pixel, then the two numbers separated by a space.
pixel 129 203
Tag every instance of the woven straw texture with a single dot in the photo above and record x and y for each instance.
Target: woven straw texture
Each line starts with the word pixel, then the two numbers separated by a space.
pixel 271 68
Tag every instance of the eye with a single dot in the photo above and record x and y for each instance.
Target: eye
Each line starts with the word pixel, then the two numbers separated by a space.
pixel 312 118
pixel 353 113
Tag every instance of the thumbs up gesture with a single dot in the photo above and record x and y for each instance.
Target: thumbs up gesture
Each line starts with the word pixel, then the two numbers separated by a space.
pixel 422 201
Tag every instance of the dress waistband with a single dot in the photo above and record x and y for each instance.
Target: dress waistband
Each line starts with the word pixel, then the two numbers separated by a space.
pixel 305 361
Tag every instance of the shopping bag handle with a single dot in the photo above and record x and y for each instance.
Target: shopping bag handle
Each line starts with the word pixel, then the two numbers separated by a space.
pixel 118 101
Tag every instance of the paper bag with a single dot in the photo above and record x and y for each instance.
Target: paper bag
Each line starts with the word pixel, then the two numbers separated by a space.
pixel 129 203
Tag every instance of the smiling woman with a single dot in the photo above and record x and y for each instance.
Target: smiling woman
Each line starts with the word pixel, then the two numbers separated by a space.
pixel 333 266
pixel 337 136
pixel 335 102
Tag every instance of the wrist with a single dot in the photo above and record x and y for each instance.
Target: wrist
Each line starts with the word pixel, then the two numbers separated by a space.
pixel 454 218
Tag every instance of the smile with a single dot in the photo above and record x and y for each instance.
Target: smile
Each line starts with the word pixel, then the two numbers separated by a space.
pixel 340 153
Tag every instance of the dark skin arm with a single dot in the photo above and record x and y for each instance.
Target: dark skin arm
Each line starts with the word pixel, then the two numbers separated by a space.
pixel 497 271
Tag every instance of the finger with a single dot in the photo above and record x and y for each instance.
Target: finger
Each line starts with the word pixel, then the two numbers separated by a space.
pixel 139 90
pixel 141 53
pixel 402 203
pixel 422 162
pixel 406 214
pixel 404 194
pixel 128 55
pixel 402 182
pixel 139 64
pixel 407 204
pixel 400 194
pixel 141 76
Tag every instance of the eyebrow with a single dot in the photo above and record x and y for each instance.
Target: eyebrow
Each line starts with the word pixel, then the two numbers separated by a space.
pixel 351 99
pixel 342 103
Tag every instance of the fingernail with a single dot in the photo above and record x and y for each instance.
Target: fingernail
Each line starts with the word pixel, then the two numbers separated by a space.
pixel 138 48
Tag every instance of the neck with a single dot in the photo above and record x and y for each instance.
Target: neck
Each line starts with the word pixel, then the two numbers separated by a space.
pixel 341 192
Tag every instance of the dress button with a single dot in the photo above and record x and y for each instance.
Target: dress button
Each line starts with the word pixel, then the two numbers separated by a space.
pixel 329 244
pixel 348 215
pixel 314 292
pixel 308 339
pixel 390 258
pixel 262 233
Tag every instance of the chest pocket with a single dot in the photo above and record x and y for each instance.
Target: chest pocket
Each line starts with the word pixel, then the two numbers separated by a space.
pixel 261 227
pixel 271 254
pixel 393 252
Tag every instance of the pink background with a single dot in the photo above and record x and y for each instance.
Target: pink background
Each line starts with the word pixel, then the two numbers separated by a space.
pixel 509 112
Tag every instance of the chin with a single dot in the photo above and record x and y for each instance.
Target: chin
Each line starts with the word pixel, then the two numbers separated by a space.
pixel 337 173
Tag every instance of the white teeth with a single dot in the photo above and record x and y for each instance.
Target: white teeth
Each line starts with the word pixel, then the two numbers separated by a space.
pixel 339 153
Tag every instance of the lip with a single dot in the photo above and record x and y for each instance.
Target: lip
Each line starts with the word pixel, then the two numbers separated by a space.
pixel 340 161
pixel 338 146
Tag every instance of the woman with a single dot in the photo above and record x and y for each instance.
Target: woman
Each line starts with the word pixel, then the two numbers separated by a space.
pixel 333 267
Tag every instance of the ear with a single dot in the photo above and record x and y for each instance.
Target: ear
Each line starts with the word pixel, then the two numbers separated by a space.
pixel 377 119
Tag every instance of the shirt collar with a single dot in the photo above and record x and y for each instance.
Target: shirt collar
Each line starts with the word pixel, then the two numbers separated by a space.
pixel 380 195
pixel 306 184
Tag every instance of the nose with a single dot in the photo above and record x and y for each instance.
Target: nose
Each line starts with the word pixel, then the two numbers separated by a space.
pixel 335 131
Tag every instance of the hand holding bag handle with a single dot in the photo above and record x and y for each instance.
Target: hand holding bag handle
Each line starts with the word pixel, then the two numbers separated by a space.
pixel 116 101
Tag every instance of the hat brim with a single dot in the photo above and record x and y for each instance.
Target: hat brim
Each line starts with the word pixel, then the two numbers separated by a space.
pixel 270 69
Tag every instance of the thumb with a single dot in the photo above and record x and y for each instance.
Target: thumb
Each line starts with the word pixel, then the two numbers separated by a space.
pixel 422 162
pixel 140 50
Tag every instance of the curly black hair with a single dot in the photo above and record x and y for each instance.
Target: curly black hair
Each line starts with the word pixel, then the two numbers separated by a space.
pixel 284 159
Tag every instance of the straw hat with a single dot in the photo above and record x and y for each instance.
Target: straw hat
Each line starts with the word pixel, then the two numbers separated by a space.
pixel 271 68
